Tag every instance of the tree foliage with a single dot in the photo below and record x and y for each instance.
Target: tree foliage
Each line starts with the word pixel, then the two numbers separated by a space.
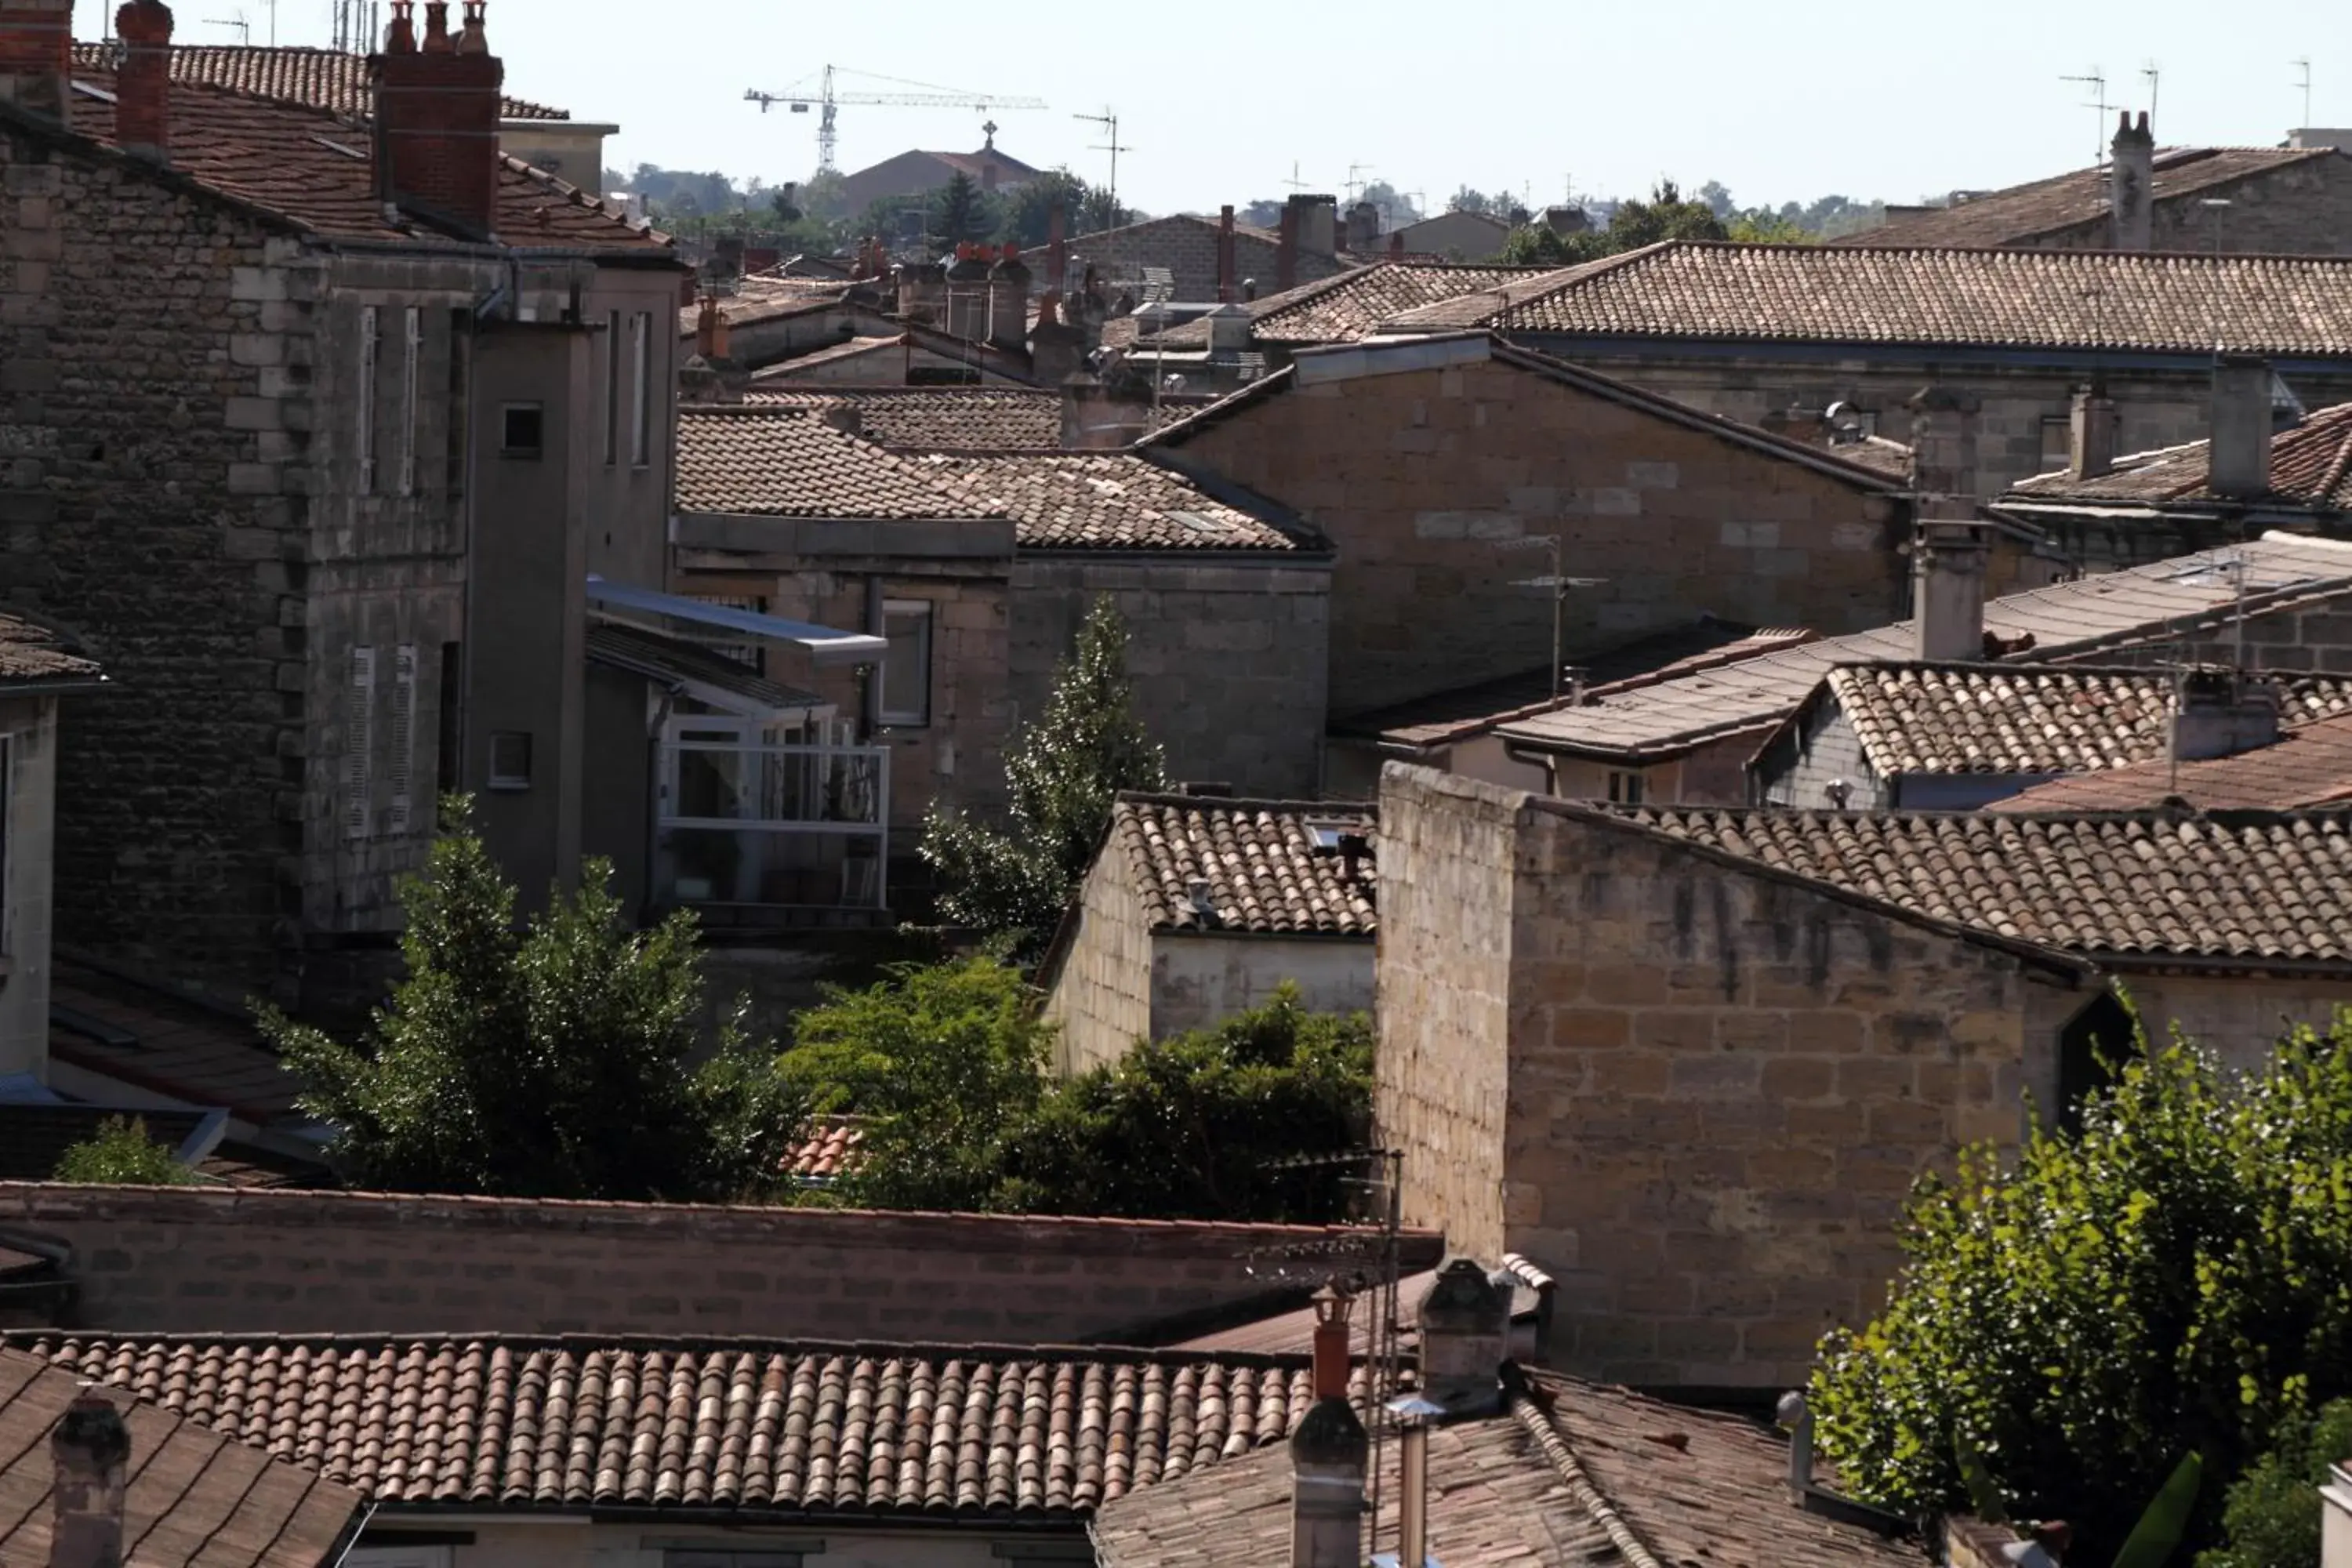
pixel 2270 1517
pixel 1061 777
pixel 553 1060
pixel 942 1063
pixel 1634 223
pixel 122 1153
pixel 960 211
pixel 2170 1282
pixel 945 1066
pixel 1213 1123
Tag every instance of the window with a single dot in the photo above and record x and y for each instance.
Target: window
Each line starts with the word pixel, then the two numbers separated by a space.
pixel 449 719
pixel 409 373
pixel 641 389
pixel 1624 788
pixel 359 746
pixel 521 426
pixel 612 387
pixel 509 759
pixel 404 745
pixel 2057 443
pixel 371 342
pixel 906 698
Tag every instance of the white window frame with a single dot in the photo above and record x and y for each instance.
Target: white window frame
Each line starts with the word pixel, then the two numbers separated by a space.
pixel 404 734
pixel 359 746
pixel 370 345
pixel 641 421
pixel 886 711
pixel 1628 786
pixel 411 374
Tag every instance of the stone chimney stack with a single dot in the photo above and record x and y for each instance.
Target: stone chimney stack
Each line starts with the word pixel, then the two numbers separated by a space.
pixel 711 331
pixel 1948 590
pixel 91 1451
pixel 968 293
pixel 1229 331
pixel 142 83
pixel 2238 457
pixel 437 117
pixel 1318 228
pixel 2220 714
pixel 1285 249
pixel 1466 1337
pixel 36 55
pixel 1363 227
pixel 2131 176
pixel 1228 285
pixel 1008 302
pixel 2091 435
pixel 1328 1455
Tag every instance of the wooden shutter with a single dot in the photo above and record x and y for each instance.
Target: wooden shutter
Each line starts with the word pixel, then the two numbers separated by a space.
pixel 359 744
pixel 404 733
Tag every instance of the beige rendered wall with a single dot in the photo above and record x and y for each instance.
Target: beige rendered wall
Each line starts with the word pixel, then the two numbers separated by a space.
pixel 1199 982
pixel 2237 1018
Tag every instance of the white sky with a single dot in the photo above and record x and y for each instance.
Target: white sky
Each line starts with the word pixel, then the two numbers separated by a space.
pixel 1776 98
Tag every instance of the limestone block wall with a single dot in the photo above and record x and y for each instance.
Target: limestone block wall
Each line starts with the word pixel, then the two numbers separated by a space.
pixel 1421 478
pixel 1187 247
pixel 1200 980
pixel 1228 658
pixel 1100 991
pixel 1712 1087
pixel 2238 1017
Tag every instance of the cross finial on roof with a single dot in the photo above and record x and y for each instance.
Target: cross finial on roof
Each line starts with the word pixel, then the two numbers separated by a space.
pixel 988 129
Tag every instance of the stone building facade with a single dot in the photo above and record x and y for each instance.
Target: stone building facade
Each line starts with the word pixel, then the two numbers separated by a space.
pixel 1187 248
pixel 265 421
pixel 1439 468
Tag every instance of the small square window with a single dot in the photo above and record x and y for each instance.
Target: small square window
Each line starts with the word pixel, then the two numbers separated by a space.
pixel 521 430
pixel 1625 788
pixel 906 694
pixel 509 759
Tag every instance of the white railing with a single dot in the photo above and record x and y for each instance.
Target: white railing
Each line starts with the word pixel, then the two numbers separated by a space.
pixel 785 825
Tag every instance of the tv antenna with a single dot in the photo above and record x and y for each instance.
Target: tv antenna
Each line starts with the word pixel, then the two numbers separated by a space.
pixel 2304 67
pixel 1294 183
pixel 2151 72
pixel 1110 143
pixel 243 29
pixel 356 28
pixel 827 100
pixel 2097 82
pixel 1356 183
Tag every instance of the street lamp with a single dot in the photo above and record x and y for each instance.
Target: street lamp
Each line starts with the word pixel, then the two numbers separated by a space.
pixel 1559 584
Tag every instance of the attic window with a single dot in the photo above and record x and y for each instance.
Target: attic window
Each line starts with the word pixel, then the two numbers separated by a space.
pixel 350 153
pixel 1326 835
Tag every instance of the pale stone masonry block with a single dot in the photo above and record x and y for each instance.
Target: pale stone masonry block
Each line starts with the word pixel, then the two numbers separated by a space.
pixel 256 284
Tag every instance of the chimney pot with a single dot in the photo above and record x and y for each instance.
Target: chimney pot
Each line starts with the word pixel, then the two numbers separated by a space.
pixel 437 29
pixel 90 1450
pixel 399 38
pixel 142 83
pixel 2238 454
pixel 1332 1357
pixel 1328 1455
pixel 436 119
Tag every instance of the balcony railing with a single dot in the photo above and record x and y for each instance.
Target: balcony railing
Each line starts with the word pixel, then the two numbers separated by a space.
pixel 786 827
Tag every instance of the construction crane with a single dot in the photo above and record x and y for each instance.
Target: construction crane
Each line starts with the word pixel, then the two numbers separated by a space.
pixel 827 100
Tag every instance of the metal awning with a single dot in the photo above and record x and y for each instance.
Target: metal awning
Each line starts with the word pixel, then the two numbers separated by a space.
pixel 826 646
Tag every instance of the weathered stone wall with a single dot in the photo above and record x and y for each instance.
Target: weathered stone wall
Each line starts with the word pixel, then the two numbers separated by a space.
pixel 189 1260
pixel 1418 475
pixel 2239 1017
pixel 1715 1086
pixel 2303 209
pixel 1199 982
pixel 1228 659
pixel 1187 247
pixel 1100 994
pixel 158 355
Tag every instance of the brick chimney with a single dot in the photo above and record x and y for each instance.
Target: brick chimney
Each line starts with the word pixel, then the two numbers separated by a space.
pixel 36 55
pixel 1228 285
pixel 142 83
pixel 2131 176
pixel 90 1449
pixel 1332 1356
pixel 2091 435
pixel 1326 1497
pixel 1285 249
pixel 437 117
pixel 2238 456
pixel 1466 1337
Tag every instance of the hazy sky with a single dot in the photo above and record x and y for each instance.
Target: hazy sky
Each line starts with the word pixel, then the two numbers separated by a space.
pixel 1219 99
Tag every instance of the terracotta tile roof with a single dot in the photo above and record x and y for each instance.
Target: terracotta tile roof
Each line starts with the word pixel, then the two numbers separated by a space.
pixel 2243 887
pixel 936 419
pixel 2030 719
pixel 34 654
pixel 149 1040
pixel 780 463
pixel 785 371
pixel 1351 305
pixel 2116 610
pixel 1111 501
pixel 2310 765
pixel 318 78
pixel 2284 306
pixel 1258 857
pixel 827 1149
pixel 192 1497
pixel 2021 215
pixel 2311 465
pixel 311 168
pixel 1569 1472
pixel 877 1432
pixel 757 300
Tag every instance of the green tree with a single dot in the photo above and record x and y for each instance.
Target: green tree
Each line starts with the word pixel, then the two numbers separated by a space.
pixel 960 211
pixel 554 1061
pixel 1028 212
pixel 942 1063
pixel 2270 1517
pixel 2169 1281
pixel 1062 774
pixel 122 1154
pixel 1666 215
pixel 1251 1120
pixel 1101 210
